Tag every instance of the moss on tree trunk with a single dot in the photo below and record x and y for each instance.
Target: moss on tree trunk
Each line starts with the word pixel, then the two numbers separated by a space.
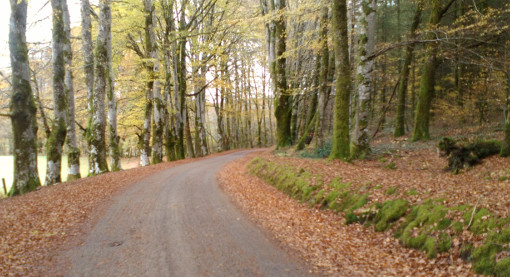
pixel 427 82
pixel 58 133
pixel 340 148
pixel 404 77
pixel 283 103
pixel 22 105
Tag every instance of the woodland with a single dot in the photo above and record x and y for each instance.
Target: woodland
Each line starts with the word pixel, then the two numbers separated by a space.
pixel 166 80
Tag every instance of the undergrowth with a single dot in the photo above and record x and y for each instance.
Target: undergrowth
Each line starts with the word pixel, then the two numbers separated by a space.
pixel 429 226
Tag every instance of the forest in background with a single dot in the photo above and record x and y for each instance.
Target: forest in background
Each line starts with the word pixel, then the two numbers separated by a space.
pixel 171 79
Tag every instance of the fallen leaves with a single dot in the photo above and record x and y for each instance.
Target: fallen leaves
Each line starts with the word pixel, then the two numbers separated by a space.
pixel 321 237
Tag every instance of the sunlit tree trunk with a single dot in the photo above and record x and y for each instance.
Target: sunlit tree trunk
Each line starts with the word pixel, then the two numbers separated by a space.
pixel 57 136
pixel 97 134
pixel 73 156
pixel 340 148
pixel 22 107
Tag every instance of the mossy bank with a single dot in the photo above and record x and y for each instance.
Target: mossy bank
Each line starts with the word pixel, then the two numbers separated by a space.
pixel 430 225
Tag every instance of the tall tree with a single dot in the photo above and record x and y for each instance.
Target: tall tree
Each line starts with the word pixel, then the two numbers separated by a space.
pixel 404 75
pixel 97 133
pixel 323 79
pixel 159 104
pixel 340 148
pixel 22 106
pixel 364 78
pixel 57 136
pixel 88 62
pixel 428 80
pixel 283 103
pixel 73 157
pixel 115 151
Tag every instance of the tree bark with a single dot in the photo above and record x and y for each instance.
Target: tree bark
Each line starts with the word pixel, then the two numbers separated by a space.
pixel 73 156
pixel 283 104
pixel 22 107
pixel 57 136
pixel 97 135
pixel 88 63
pixel 115 149
pixel 364 79
pixel 323 80
pixel 340 148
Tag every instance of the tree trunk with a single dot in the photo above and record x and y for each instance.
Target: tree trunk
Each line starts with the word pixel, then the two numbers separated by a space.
pixel 427 82
pixel 73 157
pixel 505 146
pixel 57 136
pixel 364 79
pixel 98 123
pixel 283 103
pixel 404 76
pixel 340 148
pixel 115 150
pixel 22 106
pixel 323 80
pixel 88 63
pixel 158 103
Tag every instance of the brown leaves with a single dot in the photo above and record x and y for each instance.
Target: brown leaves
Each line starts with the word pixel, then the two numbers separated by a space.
pixel 321 237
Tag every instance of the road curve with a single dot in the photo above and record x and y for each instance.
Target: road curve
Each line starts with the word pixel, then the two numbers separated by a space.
pixel 179 223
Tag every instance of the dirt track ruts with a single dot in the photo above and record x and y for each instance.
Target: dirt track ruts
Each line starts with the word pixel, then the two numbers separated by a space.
pixel 179 223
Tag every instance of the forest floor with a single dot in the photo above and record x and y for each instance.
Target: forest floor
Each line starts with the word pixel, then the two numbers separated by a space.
pixel 396 170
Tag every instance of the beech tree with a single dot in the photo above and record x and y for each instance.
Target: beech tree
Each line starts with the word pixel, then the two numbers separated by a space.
pixel 88 65
pixel 404 74
pixel 340 148
pixel 428 81
pixel 22 107
pixel 283 102
pixel 364 78
pixel 59 128
pixel 97 133
pixel 73 156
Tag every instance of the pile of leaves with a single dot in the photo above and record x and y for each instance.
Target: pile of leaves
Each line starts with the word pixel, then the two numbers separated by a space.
pixel 36 226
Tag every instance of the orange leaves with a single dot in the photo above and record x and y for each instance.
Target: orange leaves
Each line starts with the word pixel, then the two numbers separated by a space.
pixel 321 237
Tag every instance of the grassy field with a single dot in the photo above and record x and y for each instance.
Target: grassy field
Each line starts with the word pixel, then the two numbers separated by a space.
pixel 7 168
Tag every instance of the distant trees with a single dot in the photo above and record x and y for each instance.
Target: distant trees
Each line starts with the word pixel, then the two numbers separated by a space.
pixel 194 77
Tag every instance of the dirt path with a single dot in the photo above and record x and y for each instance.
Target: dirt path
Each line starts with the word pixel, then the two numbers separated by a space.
pixel 179 223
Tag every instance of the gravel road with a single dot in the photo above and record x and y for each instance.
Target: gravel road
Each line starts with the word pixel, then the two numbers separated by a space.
pixel 179 223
